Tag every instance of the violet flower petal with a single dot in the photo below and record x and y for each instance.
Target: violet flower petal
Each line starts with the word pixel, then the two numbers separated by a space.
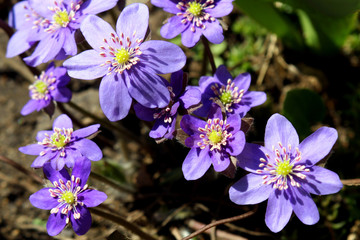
pixel 92 198
pixel 278 211
pixel 279 129
pixel 115 100
pixel 82 169
pixel 86 131
pixel 136 17
pixel 62 121
pixel 196 163
pixel 162 57
pixel 168 6
pixel 249 158
pixel 56 223
pixel 304 207
pixel 42 199
pixel 321 181
pixel 250 190
pixel 214 32
pixel 32 149
pixel 89 149
pixel 220 160
pixel 173 27
pixel 54 175
pixel 86 65
pixel 324 139
pixel 97 6
pixel 83 224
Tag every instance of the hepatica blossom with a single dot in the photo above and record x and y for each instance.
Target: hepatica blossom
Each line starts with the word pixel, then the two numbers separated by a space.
pixel 69 199
pixel 63 145
pixel 128 65
pixel 53 24
pixel 211 142
pixel 48 87
pixel 284 172
pixel 233 93
pixel 165 118
pixel 194 18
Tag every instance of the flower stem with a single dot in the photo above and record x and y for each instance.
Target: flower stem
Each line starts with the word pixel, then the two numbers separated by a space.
pixel 123 222
pixel 111 183
pixel 19 167
pixel 209 53
pixel 222 221
pixel 351 182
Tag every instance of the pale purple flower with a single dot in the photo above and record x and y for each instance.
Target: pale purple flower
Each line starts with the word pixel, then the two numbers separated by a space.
pixel 212 142
pixel 128 65
pixel 69 199
pixel 194 18
pixel 233 93
pixel 51 23
pixel 284 172
pixel 63 145
pixel 165 118
pixel 50 86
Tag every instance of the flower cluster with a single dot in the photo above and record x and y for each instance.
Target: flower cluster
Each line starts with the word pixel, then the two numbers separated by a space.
pixel 194 18
pixel 210 115
pixel 51 23
pixel 50 86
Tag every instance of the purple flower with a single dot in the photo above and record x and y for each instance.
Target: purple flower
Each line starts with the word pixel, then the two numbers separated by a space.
pixel 284 172
pixel 165 118
pixel 63 145
pixel 53 24
pixel 48 87
pixel 233 94
pixel 69 199
pixel 129 65
pixel 211 142
pixel 194 18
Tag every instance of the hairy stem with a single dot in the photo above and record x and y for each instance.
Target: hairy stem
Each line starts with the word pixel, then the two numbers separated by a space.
pixel 209 53
pixel 219 222
pixel 351 182
pixel 112 183
pixel 123 222
pixel 19 167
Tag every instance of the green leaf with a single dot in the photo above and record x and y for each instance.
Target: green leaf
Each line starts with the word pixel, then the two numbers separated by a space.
pixel 267 15
pixel 303 108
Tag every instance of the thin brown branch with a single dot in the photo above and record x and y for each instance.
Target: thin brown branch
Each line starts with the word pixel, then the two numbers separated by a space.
pixel 123 222
pixel 351 182
pixel 209 53
pixel 22 169
pixel 219 222
pixel 111 183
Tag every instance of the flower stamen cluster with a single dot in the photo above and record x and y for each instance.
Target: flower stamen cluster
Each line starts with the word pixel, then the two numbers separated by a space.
pixel 228 94
pixel 66 194
pixel 194 12
pixel 124 56
pixel 61 16
pixel 214 134
pixel 40 88
pixel 284 169
pixel 57 141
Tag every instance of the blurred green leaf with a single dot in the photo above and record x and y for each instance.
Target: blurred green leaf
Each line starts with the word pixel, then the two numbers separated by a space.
pixel 303 108
pixel 110 169
pixel 267 15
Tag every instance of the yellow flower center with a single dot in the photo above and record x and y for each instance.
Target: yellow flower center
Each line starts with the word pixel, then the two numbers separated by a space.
pixel 195 8
pixel 58 140
pixel 68 197
pixel 226 98
pixel 122 56
pixel 61 18
pixel 284 168
pixel 215 137
pixel 40 87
